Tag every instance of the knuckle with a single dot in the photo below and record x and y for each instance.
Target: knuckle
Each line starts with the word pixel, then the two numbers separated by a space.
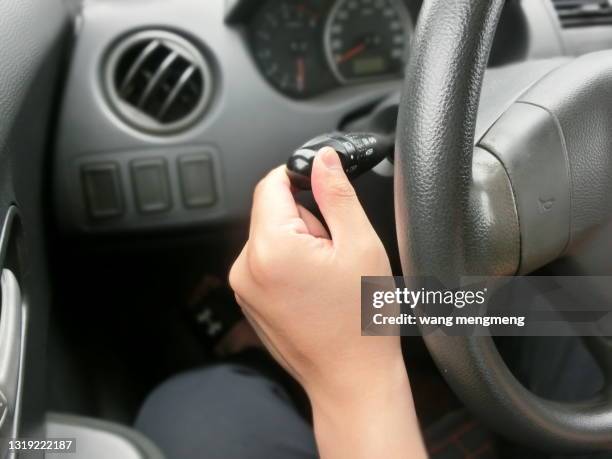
pixel 342 189
pixel 263 263
pixel 235 277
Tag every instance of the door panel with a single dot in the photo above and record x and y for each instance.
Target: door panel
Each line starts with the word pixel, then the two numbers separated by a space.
pixel 13 328
pixel 34 35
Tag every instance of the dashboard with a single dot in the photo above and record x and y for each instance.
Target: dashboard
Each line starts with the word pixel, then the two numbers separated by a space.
pixel 307 47
pixel 173 110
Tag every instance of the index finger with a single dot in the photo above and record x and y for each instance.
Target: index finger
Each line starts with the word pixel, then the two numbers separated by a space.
pixel 273 201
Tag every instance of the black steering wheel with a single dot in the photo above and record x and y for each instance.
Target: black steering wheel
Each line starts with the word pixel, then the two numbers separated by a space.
pixel 519 195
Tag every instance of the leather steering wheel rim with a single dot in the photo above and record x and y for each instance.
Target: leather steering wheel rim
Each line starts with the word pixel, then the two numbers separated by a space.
pixel 433 169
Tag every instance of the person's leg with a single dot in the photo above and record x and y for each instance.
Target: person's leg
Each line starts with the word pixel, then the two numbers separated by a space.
pixel 228 412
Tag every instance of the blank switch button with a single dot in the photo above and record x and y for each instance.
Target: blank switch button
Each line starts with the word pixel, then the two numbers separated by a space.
pixel 150 182
pixel 197 180
pixel 102 189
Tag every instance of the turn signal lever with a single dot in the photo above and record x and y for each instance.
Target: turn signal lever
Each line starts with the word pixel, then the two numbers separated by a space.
pixel 358 152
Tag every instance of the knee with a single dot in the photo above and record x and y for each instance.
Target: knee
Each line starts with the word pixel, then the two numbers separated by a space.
pixel 226 411
pixel 177 396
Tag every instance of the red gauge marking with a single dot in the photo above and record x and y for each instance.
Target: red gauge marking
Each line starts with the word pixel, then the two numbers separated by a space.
pixel 300 79
pixel 351 53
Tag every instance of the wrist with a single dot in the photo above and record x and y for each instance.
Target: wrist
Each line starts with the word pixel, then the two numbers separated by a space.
pixel 373 416
pixel 352 387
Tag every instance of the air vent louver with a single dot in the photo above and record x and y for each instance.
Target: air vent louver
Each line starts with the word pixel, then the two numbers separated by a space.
pixel 158 81
pixel 581 13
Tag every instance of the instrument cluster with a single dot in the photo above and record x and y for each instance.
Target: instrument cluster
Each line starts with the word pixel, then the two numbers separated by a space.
pixel 307 47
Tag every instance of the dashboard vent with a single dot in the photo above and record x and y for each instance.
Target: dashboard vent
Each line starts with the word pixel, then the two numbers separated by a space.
pixel 157 81
pixel 581 13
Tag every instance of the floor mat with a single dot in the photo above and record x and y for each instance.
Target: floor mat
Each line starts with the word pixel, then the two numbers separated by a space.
pixel 459 436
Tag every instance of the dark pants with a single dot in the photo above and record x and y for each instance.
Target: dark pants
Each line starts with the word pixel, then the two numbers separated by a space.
pixel 228 411
pixel 242 411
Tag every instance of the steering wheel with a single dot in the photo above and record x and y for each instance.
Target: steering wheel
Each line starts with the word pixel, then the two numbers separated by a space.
pixel 522 194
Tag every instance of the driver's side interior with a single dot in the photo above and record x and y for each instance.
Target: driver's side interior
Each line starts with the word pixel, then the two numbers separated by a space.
pixel 150 122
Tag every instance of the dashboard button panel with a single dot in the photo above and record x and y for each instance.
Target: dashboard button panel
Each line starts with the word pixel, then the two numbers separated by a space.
pixel 168 187
pixel 197 180
pixel 151 187
pixel 102 190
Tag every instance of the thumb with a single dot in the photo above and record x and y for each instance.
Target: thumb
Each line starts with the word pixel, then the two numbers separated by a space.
pixel 336 197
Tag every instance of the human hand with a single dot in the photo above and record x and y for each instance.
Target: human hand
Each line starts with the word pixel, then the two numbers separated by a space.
pixel 299 286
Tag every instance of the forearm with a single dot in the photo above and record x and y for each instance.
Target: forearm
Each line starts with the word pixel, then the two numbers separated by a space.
pixel 376 419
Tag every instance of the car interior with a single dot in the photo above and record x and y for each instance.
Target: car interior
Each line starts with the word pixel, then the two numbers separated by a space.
pixel 132 135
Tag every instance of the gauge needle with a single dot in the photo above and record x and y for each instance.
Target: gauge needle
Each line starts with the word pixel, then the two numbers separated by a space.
pixel 300 79
pixel 351 53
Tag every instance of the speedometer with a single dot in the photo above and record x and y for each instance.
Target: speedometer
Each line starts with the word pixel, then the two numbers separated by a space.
pixel 286 40
pixel 367 38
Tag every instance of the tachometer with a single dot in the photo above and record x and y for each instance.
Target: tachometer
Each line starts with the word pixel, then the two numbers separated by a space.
pixel 367 38
pixel 286 40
